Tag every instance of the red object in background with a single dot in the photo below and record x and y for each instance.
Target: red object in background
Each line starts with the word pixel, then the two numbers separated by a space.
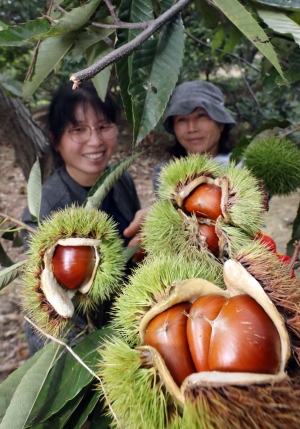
pixel 266 240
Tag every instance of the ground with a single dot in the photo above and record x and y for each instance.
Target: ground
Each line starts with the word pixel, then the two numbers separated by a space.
pixel 13 199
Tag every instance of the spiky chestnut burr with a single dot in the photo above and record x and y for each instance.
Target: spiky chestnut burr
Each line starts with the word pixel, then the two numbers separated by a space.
pixel 204 209
pixel 158 400
pixel 50 301
pixel 276 161
pixel 151 283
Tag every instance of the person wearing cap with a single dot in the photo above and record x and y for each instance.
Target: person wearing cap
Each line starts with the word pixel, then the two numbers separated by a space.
pixel 197 117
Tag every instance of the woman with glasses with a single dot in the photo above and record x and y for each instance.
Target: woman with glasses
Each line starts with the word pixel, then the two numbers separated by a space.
pixel 83 133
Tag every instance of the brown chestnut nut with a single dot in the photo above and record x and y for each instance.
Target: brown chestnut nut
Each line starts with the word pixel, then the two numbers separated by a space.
pixel 205 201
pixel 236 336
pixel 73 265
pixel 212 240
pixel 167 333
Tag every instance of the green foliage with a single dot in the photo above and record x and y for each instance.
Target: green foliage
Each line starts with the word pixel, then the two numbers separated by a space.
pixel 11 273
pixel 21 403
pixel 55 400
pixel 106 181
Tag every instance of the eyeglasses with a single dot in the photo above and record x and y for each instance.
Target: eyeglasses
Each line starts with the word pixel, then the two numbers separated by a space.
pixel 82 133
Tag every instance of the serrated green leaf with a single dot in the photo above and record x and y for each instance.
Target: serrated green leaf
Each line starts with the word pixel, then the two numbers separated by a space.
pixel 10 384
pixel 74 20
pixel 61 418
pixel 245 22
pixel 45 63
pixel 89 37
pixel 234 37
pixel 106 181
pixel 280 23
pixel 210 14
pixel 34 190
pixel 130 11
pixel 29 32
pixel 10 274
pixel 68 377
pixel 161 58
pixel 295 234
pixel 218 38
pixel 166 5
pixel 28 389
pixel 5 260
pixel 93 54
pixel 88 403
pixel 284 4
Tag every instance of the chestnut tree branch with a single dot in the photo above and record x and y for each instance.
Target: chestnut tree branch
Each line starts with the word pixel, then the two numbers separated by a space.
pixel 121 24
pixel 17 222
pixel 56 340
pixel 281 136
pixel 128 48
pixel 112 10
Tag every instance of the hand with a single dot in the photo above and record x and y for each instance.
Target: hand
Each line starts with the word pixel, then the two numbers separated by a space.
pixel 133 230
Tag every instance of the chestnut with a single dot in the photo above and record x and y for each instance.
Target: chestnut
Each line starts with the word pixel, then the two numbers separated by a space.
pixel 73 265
pixel 234 336
pixel 167 333
pixel 212 240
pixel 199 329
pixel 205 201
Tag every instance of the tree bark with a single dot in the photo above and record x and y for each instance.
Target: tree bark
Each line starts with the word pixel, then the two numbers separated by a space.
pixel 28 140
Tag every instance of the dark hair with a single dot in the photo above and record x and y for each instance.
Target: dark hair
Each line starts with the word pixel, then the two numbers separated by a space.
pixel 64 102
pixel 226 144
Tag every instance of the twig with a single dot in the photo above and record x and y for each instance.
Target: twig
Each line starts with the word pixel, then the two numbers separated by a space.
pixel 56 340
pixel 112 9
pixel 129 47
pixel 17 222
pixel 250 90
pixel 236 57
pixel 58 7
pixel 125 25
pixel 30 69
pixel 295 254
pixel 281 136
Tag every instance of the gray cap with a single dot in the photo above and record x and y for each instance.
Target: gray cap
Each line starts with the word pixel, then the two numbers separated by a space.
pixel 190 95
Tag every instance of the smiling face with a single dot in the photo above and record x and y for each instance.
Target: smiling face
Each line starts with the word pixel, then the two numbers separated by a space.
pixel 197 132
pixel 85 161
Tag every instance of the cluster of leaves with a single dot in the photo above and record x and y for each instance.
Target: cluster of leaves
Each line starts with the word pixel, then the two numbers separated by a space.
pixel 71 35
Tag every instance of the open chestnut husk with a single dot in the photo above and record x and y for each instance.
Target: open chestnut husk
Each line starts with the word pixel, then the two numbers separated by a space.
pixel 247 398
pixel 233 332
pixel 194 191
pixel 75 260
